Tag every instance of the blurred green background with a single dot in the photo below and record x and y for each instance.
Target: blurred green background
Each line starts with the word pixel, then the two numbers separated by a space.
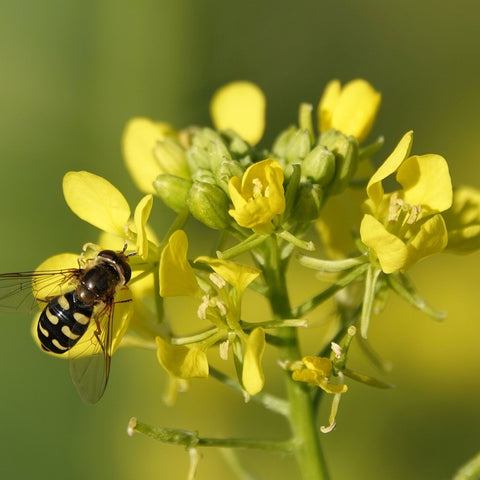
pixel 73 73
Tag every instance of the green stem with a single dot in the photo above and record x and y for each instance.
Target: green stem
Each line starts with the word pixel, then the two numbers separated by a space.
pixel 189 439
pixel 302 419
pixel 469 471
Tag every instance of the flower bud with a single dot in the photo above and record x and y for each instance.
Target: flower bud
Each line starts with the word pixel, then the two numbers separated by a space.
pixel 225 171
pixel 319 165
pixel 298 147
pixel 279 147
pixel 345 150
pixel 237 145
pixel 207 150
pixel 308 203
pixel 204 175
pixel 172 190
pixel 209 204
pixel 171 157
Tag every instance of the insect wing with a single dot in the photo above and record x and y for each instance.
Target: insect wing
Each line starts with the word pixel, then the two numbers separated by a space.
pixel 90 358
pixel 22 291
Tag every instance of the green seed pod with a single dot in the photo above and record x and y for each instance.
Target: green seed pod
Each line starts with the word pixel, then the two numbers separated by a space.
pixel 209 204
pixel 173 191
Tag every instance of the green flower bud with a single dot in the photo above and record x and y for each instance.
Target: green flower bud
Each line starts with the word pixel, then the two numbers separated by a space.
pixel 298 147
pixel 207 150
pixel 345 149
pixel 237 145
pixel 225 171
pixel 308 203
pixel 172 190
pixel 171 157
pixel 209 204
pixel 218 152
pixel 319 165
pixel 279 148
pixel 204 175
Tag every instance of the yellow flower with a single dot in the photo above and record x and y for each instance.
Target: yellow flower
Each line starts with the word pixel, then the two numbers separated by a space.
pixel 404 226
pixel 227 318
pixel 239 106
pixel 318 371
pixel 351 109
pixel 139 141
pixel 259 197
pixel 98 202
pixel 463 221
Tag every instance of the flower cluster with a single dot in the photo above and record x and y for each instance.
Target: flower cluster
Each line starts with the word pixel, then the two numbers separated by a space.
pixel 264 202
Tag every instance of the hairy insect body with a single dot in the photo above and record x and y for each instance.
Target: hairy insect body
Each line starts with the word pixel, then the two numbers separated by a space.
pixel 66 317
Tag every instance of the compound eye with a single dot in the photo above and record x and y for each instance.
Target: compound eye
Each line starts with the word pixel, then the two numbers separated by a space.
pixel 109 255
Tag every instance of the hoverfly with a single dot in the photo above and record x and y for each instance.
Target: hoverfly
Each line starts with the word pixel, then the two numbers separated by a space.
pixel 87 299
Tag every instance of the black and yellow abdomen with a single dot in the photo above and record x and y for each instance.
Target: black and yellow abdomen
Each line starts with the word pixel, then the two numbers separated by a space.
pixel 63 322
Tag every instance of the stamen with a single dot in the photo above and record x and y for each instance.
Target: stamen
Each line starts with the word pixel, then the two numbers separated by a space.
pixel 223 350
pixel 257 188
pixel 336 349
pixel 217 280
pixel 414 213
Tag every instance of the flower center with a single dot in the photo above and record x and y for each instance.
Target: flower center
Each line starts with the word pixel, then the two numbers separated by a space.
pixel 401 215
pixel 258 190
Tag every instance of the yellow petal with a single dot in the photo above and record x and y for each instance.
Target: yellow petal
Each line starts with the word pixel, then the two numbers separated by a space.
pixel 177 277
pixel 240 106
pixel 352 109
pixel 321 365
pixel 253 378
pixel 426 182
pixel 97 201
pixel 140 218
pixel 259 197
pixel 391 251
pixel 138 142
pixel 431 238
pixel 327 104
pixel 182 361
pixel 463 221
pixel 237 275
pixel 391 164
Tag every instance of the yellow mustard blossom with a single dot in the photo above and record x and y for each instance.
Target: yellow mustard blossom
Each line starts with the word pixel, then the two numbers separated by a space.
pixel 404 226
pixel 177 277
pixel 98 202
pixel 318 371
pixel 351 109
pixel 259 197
pixel 463 221
pixel 239 106
pixel 221 305
pixel 140 139
pixel 238 276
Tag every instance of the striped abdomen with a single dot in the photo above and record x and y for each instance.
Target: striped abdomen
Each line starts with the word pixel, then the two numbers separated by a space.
pixel 62 323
